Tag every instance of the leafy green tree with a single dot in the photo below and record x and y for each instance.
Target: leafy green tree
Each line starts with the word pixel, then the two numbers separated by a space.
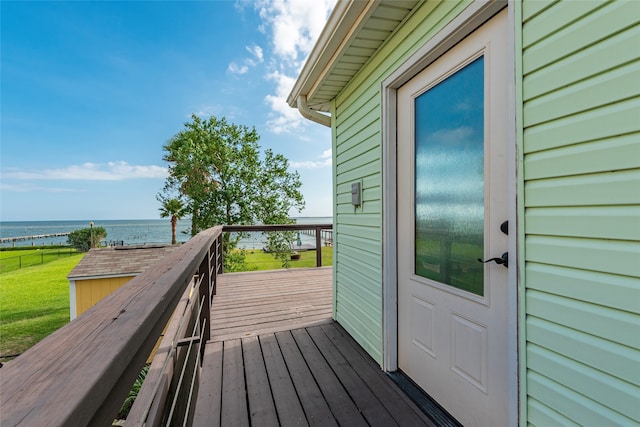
pixel 174 209
pixel 86 238
pixel 220 172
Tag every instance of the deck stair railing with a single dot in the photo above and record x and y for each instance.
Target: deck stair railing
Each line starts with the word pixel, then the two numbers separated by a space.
pixel 81 374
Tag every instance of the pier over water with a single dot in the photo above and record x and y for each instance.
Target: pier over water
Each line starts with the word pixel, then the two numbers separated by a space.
pixel 35 237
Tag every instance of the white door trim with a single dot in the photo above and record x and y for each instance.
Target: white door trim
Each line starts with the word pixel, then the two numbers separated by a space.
pixel 460 27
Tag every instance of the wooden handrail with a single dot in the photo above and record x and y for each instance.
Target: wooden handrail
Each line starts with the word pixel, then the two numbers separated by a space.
pixel 284 227
pixel 171 384
pixel 81 374
pixel 275 227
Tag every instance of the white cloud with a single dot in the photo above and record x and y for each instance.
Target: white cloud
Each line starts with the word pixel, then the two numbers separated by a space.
pixel 256 51
pixel 30 188
pixel 237 69
pixel 256 57
pixel 324 161
pixel 283 117
pixel 111 171
pixel 293 26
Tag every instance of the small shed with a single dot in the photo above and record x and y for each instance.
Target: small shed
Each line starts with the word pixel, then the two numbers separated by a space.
pixel 103 270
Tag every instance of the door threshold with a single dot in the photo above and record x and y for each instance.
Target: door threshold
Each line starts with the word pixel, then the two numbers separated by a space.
pixel 429 406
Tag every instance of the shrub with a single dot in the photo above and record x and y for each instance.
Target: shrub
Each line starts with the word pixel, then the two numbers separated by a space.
pixel 86 238
pixel 133 393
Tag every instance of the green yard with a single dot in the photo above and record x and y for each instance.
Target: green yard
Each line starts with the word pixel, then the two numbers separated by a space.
pixel 259 260
pixel 34 302
pixel 11 259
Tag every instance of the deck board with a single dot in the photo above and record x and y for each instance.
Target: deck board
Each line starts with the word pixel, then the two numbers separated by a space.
pixel 400 408
pixel 337 397
pixel 372 410
pixel 254 303
pixel 315 406
pixel 261 407
pixel 282 361
pixel 284 393
pixel 234 402
pixel 208 406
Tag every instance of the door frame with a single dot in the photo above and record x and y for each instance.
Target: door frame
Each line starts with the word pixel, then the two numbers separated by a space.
pixel 470 19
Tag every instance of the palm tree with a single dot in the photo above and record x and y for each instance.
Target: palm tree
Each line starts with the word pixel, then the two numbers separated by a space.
pixel 174 209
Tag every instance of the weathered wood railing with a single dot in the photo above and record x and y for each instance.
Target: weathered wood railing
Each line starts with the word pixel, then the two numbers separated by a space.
pixel 81 374
pixel 171 384
pixel 285 227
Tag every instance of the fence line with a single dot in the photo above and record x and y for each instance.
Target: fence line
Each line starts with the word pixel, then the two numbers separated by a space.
pixel 37 258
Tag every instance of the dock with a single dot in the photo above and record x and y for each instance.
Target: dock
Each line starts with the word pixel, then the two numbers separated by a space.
pixel 37 236
pixel 326 235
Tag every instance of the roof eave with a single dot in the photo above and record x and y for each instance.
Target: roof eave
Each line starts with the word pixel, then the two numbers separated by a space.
pixel 104 276
pixel 343 21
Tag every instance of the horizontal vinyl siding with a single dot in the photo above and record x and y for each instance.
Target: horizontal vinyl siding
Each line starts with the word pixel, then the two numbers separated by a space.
pixel 581 144
pixel 358 148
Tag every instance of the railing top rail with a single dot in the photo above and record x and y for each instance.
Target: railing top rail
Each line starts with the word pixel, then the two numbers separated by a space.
pixel 81 373
pixel 275 227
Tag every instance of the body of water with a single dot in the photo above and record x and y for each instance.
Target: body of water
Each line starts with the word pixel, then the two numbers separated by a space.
pixel 122 232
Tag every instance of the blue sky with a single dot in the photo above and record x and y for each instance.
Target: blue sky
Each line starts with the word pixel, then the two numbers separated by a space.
pixel 90 91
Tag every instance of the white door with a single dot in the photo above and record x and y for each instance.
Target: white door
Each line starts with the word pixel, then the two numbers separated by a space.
pixel 452 200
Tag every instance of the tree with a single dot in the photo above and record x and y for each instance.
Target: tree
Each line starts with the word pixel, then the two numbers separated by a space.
pixel 218 168
pixel 174 209
pixel 86 238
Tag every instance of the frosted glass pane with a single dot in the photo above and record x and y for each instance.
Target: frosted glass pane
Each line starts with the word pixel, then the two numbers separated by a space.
pixel 449 180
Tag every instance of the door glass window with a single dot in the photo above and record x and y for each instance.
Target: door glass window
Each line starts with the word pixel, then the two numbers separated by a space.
pixel 449 180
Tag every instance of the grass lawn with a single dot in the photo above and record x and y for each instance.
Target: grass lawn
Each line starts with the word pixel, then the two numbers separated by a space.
pixel 34 302
pixel 17 253
pixel 7 252
pixel 15 259
pixel 259 260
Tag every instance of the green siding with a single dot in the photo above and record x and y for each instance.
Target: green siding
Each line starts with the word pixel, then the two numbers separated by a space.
pixel 358 148
pixel 581 181
pixel 578 127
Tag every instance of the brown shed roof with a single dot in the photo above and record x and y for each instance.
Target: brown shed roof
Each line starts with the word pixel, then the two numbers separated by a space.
pixel 119 261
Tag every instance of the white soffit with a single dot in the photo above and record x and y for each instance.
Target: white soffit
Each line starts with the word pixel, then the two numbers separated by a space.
pixel 355 30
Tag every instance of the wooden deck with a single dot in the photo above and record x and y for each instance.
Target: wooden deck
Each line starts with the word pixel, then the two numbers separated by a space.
pixel 276 358
pixel 248 304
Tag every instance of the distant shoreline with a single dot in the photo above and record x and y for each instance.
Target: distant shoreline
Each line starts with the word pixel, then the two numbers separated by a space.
pixel 119 231
pixel 87 221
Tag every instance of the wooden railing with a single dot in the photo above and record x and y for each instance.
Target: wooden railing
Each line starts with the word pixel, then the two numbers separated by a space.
pixel 171 384
pixel 317 228
pixel 81 374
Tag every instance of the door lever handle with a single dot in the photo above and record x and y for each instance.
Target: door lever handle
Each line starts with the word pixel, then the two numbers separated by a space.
pixel 504 260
